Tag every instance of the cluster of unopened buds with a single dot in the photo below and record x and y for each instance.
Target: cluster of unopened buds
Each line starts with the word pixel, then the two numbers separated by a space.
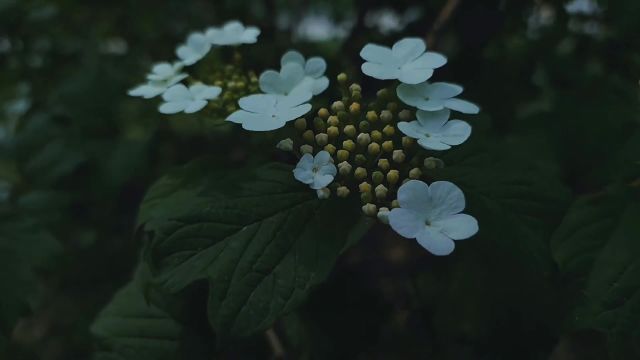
pixel 380 151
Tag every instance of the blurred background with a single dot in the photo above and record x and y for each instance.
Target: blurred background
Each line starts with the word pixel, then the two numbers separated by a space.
pixel 558 85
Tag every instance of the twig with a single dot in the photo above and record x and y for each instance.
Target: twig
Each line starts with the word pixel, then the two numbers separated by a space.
pixel 442 19
pixel 276 345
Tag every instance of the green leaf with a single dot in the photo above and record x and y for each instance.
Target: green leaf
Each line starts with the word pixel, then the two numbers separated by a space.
pixel 260 239
pixel 598 245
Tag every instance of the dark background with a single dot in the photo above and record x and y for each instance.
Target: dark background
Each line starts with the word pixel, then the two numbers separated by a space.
pixel 559 124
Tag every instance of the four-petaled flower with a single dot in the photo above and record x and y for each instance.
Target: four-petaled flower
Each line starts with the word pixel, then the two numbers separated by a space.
pixel 431 215
pixel 178 98
pixel 435 96
pixel 196 47
pixel 264 112
pixel 233 33
pixel 406 61
pixel 434 132
pixel 317 172
pixel 162 76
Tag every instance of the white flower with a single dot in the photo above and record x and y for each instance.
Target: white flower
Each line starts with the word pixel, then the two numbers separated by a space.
pixel 317 172
pixel 162 76
pixel 431 215
pixel 233 33
pixel 178 98
pixel 406 61
pixel 196 47
pixel 435 96
pixel 434 132
pixel 296 74
pixel 264 112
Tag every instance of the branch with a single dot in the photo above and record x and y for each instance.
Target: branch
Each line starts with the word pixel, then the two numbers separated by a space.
pixel 442 19
pixel 276 345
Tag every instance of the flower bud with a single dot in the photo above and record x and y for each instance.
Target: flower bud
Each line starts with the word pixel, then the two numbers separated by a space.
pixel 364 187
pixel 431 163
pixel 344 168
pixel 300 124
pixel 349 130
pixel 333 121
pixel 370 209
pixel 343 116
pixel 343 155
pixel 393 176
pixel 333 132
pixel 376 136
pixel 319 124
pixel 388 131
pixel 372 116
pixel 322 139
pixel 383 215
pixel 373 149
pixel 342 78
pixel 384 165
pixel 364 126
pixel 285 145
pixel 377 177
pixel 364 139
pixel 348 145
pixel 343 191
pixel 415 174
pixel 392 106
pixel 354 108
pixel 382 94
pixel 360 173
pixel 356 96
pixel 306 149
pixel 355 88
pixel 381 192
pixel 387 146
pixel 323 113
pixel 398 156
pixel 395 204
pixel 405 115
pixel 323 193
pixel 330 149
pixel 386 116
pixel 360 159
pixel 308 136
pixel 337 106
pixel 407 142
pixel 366 197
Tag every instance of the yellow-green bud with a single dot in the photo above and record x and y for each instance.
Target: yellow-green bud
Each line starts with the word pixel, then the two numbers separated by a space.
pixel 387 146
pixel 333 132
pixel 355 88
pixel 343 191
pixel 395 204
pixel 323 193
pixel 364 139
pixel 372 116
pixel 383 215
pixel 377 177
pixel 386 116
pixel 360 173
pixel 366 197
pixel 356 96
pixel 330 148
pixel 370 209
pixel 306 149
pixel 323 113
pixel 364 187
pixel 337 106
pixel 285 145
pixel 348 145
pixel 333 121
pixel 392 106
pixel 415 174
pixel 364 126
pixel 376 136
pixel 301 124
pixel 344 168
pixel 393 176
pixel 382 94
pixel 405 115
pixel 342 78
pixel 308 136
pixel 343 155
pixel 398 156
pixel 343 116
pixel 322 139
pixel 360 159
pixel 384 165
pixel 431 163
pixel 381 192
pixel 388 131
pixel 319 124
pixel 349 130
pixel 407 142
pixel 354 108
pixel 373 149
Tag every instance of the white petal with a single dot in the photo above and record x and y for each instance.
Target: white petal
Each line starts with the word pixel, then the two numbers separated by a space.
pixel 292 56
pixel 270 82
pixel 380 71
pixel 259 103
pixel 458 226
pixel 295 98
pixel 147 91
pixel 302 175
pixel 442 90
pixel 173 107
pixel 428 60
pixel 431 105
pixel 306 162
pixel 328 169
pixel 408 49
pixel 455 132
pixel 433 144
pixel 233 26
pixel 377 54
pixel 204 92
pixel 322 158
pixel 410 94
pixel 177 93
pixel 320 85
pixel 255 122
pixel 411 129
pixel 433 121
pixel 406 222
pixel 176 79
pixel 414 195
pixel 315 67
pixel 446 199
pixel 462 106
pixel 292 113
pixel 195 106
pixel 414 76
pixel 435 242
pixel 320 181
pixel 250 35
